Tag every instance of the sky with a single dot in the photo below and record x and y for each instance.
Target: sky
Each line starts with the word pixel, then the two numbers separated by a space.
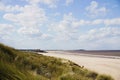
pixel 60 24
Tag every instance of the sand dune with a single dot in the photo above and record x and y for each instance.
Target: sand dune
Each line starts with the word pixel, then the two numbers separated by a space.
pixel 99 64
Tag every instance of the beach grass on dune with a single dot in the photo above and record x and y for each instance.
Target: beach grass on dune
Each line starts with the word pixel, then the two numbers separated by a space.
pixel 18 65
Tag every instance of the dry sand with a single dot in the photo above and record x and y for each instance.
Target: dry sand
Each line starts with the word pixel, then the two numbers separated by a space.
pixel 98 64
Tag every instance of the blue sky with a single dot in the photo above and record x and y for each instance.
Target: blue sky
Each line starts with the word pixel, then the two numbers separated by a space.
pixel 60 24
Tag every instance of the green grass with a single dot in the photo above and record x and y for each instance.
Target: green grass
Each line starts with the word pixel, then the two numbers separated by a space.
pixel 17 65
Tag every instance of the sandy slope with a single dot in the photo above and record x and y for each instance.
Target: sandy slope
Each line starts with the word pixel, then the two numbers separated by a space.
pixel 100 65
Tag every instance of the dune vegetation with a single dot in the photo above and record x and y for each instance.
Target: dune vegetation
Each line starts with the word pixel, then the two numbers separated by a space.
pixel 19 65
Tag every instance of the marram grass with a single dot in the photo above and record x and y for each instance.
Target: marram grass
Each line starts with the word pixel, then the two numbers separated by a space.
pixel 17 65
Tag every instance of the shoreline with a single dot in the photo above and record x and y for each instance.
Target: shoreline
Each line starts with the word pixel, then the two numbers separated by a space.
pixel 98 55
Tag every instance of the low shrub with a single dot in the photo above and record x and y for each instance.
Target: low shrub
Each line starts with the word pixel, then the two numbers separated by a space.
pixel 104 77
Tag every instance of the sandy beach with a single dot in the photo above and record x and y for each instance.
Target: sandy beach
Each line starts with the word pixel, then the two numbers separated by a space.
pixel 103 65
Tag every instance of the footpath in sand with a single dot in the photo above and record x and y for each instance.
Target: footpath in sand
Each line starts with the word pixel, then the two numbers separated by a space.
pixel 101 65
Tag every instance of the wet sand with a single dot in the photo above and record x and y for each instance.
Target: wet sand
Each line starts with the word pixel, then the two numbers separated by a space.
pixel 97 52
pixel 100 64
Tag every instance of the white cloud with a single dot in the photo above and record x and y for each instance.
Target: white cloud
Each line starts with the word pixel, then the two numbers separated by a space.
pixel 69 26
pixel 63 24
pixel 67 29
pixel 68 2
pixel 101 33
pixel 6 29
pixel 94 10
pixel 97 21
pixel 50 3
pixel 64 28
pixel 79 23
pixel 29 19
pixel 46 36
pixel 34 33
pixel 98 38
pixel 106 22
pixel 114 21
pixel 29 16
pixel 30 32
pixel 9 8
